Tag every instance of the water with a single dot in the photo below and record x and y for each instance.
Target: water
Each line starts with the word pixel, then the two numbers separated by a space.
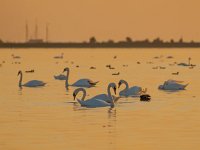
pixel 46 118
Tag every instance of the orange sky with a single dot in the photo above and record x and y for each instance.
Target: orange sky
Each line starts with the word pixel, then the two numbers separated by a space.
pixel 77 20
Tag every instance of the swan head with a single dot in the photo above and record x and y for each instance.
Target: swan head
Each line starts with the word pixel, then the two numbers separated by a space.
pixel 120 83
pixel 20 72
pixel 161 87
pixel 113 85
pixel 66 69
pixel 77 91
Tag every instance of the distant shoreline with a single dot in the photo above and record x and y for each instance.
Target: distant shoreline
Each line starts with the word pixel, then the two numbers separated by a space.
pixel 123 44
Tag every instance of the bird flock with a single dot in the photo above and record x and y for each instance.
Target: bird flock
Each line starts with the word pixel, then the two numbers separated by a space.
pixel 110 98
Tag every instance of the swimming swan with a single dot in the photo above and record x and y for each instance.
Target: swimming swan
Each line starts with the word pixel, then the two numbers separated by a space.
pixel 130 92
pixel 173 85
pixel 32 83
pixel 87 83
pixel 93 102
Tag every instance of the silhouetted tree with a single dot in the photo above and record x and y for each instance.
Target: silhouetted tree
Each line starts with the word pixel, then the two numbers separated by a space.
pixel 171 41
pixel 157 40
pixel 93 40
pixel 181 40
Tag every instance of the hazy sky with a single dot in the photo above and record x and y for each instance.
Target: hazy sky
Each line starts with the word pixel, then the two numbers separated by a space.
pixel 77 20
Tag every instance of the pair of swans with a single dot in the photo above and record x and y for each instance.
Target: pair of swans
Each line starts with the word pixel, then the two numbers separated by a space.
pixel 101 100
pixel 173 85
pixel 32 83
pixel 87 83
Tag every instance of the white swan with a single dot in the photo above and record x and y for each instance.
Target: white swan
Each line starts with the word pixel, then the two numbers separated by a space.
pixel 108 97
pixel 93 102
pixel 59 57
pixel 60 77
pixel 32 83
pixel 173 85
pixel 130 92
pixel 87 83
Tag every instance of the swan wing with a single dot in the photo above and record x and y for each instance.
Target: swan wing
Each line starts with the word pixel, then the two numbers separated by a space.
pixel 84 83
pixel 93 103
pixel 34 83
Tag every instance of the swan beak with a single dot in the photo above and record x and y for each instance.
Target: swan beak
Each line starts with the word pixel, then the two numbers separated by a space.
pixel 74 95
pixel 114 90
pixel 119 84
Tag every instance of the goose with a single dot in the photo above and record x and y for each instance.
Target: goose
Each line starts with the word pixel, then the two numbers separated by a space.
pixel 93 102
pixel 130 92
pixel 87 83
pixel 32 83
pixel 108 97
pixel 173 85
pixel 59 57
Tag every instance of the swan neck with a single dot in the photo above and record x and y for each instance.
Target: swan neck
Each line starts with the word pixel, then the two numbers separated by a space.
pixel 67 79
pixel 109 92
pixel 20 80
pixel 126 86
pixel 84 93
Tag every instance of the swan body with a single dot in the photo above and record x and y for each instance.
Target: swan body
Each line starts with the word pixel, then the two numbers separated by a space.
pixel 32 83
pixel 173 85
pixel 130 92
pixel 87 83
pixel 96 101
pixel 60 77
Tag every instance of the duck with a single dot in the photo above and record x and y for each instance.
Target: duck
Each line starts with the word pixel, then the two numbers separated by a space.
pixel 92 102
pixel 32 83
pixel 130 92
pixel 87 83
pixel 145 97
pixel 116 74
pixel 175 73
pixel 173 85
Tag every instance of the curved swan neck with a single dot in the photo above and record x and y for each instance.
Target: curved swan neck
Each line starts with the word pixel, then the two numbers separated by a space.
pixel 109 92
pixel 126 85
pixel 67 79
pixel 20 80
pixel 84 93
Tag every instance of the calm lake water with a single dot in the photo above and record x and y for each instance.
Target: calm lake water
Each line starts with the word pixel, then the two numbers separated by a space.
pixel 46 118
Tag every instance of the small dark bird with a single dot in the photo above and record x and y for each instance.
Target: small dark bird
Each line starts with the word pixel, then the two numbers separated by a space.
pixel 92 67
pixel 145 97
pixel 138 62
pixel 30 71
pixel 77 66
pixel 115 57
pixel 176 73
pixel 116 74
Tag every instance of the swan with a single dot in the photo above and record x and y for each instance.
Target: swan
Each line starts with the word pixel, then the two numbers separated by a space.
pixel 32 83
pixel 108 97
pixel 132 91
pixel 87 83
pixel 93 102
pixel 173 85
